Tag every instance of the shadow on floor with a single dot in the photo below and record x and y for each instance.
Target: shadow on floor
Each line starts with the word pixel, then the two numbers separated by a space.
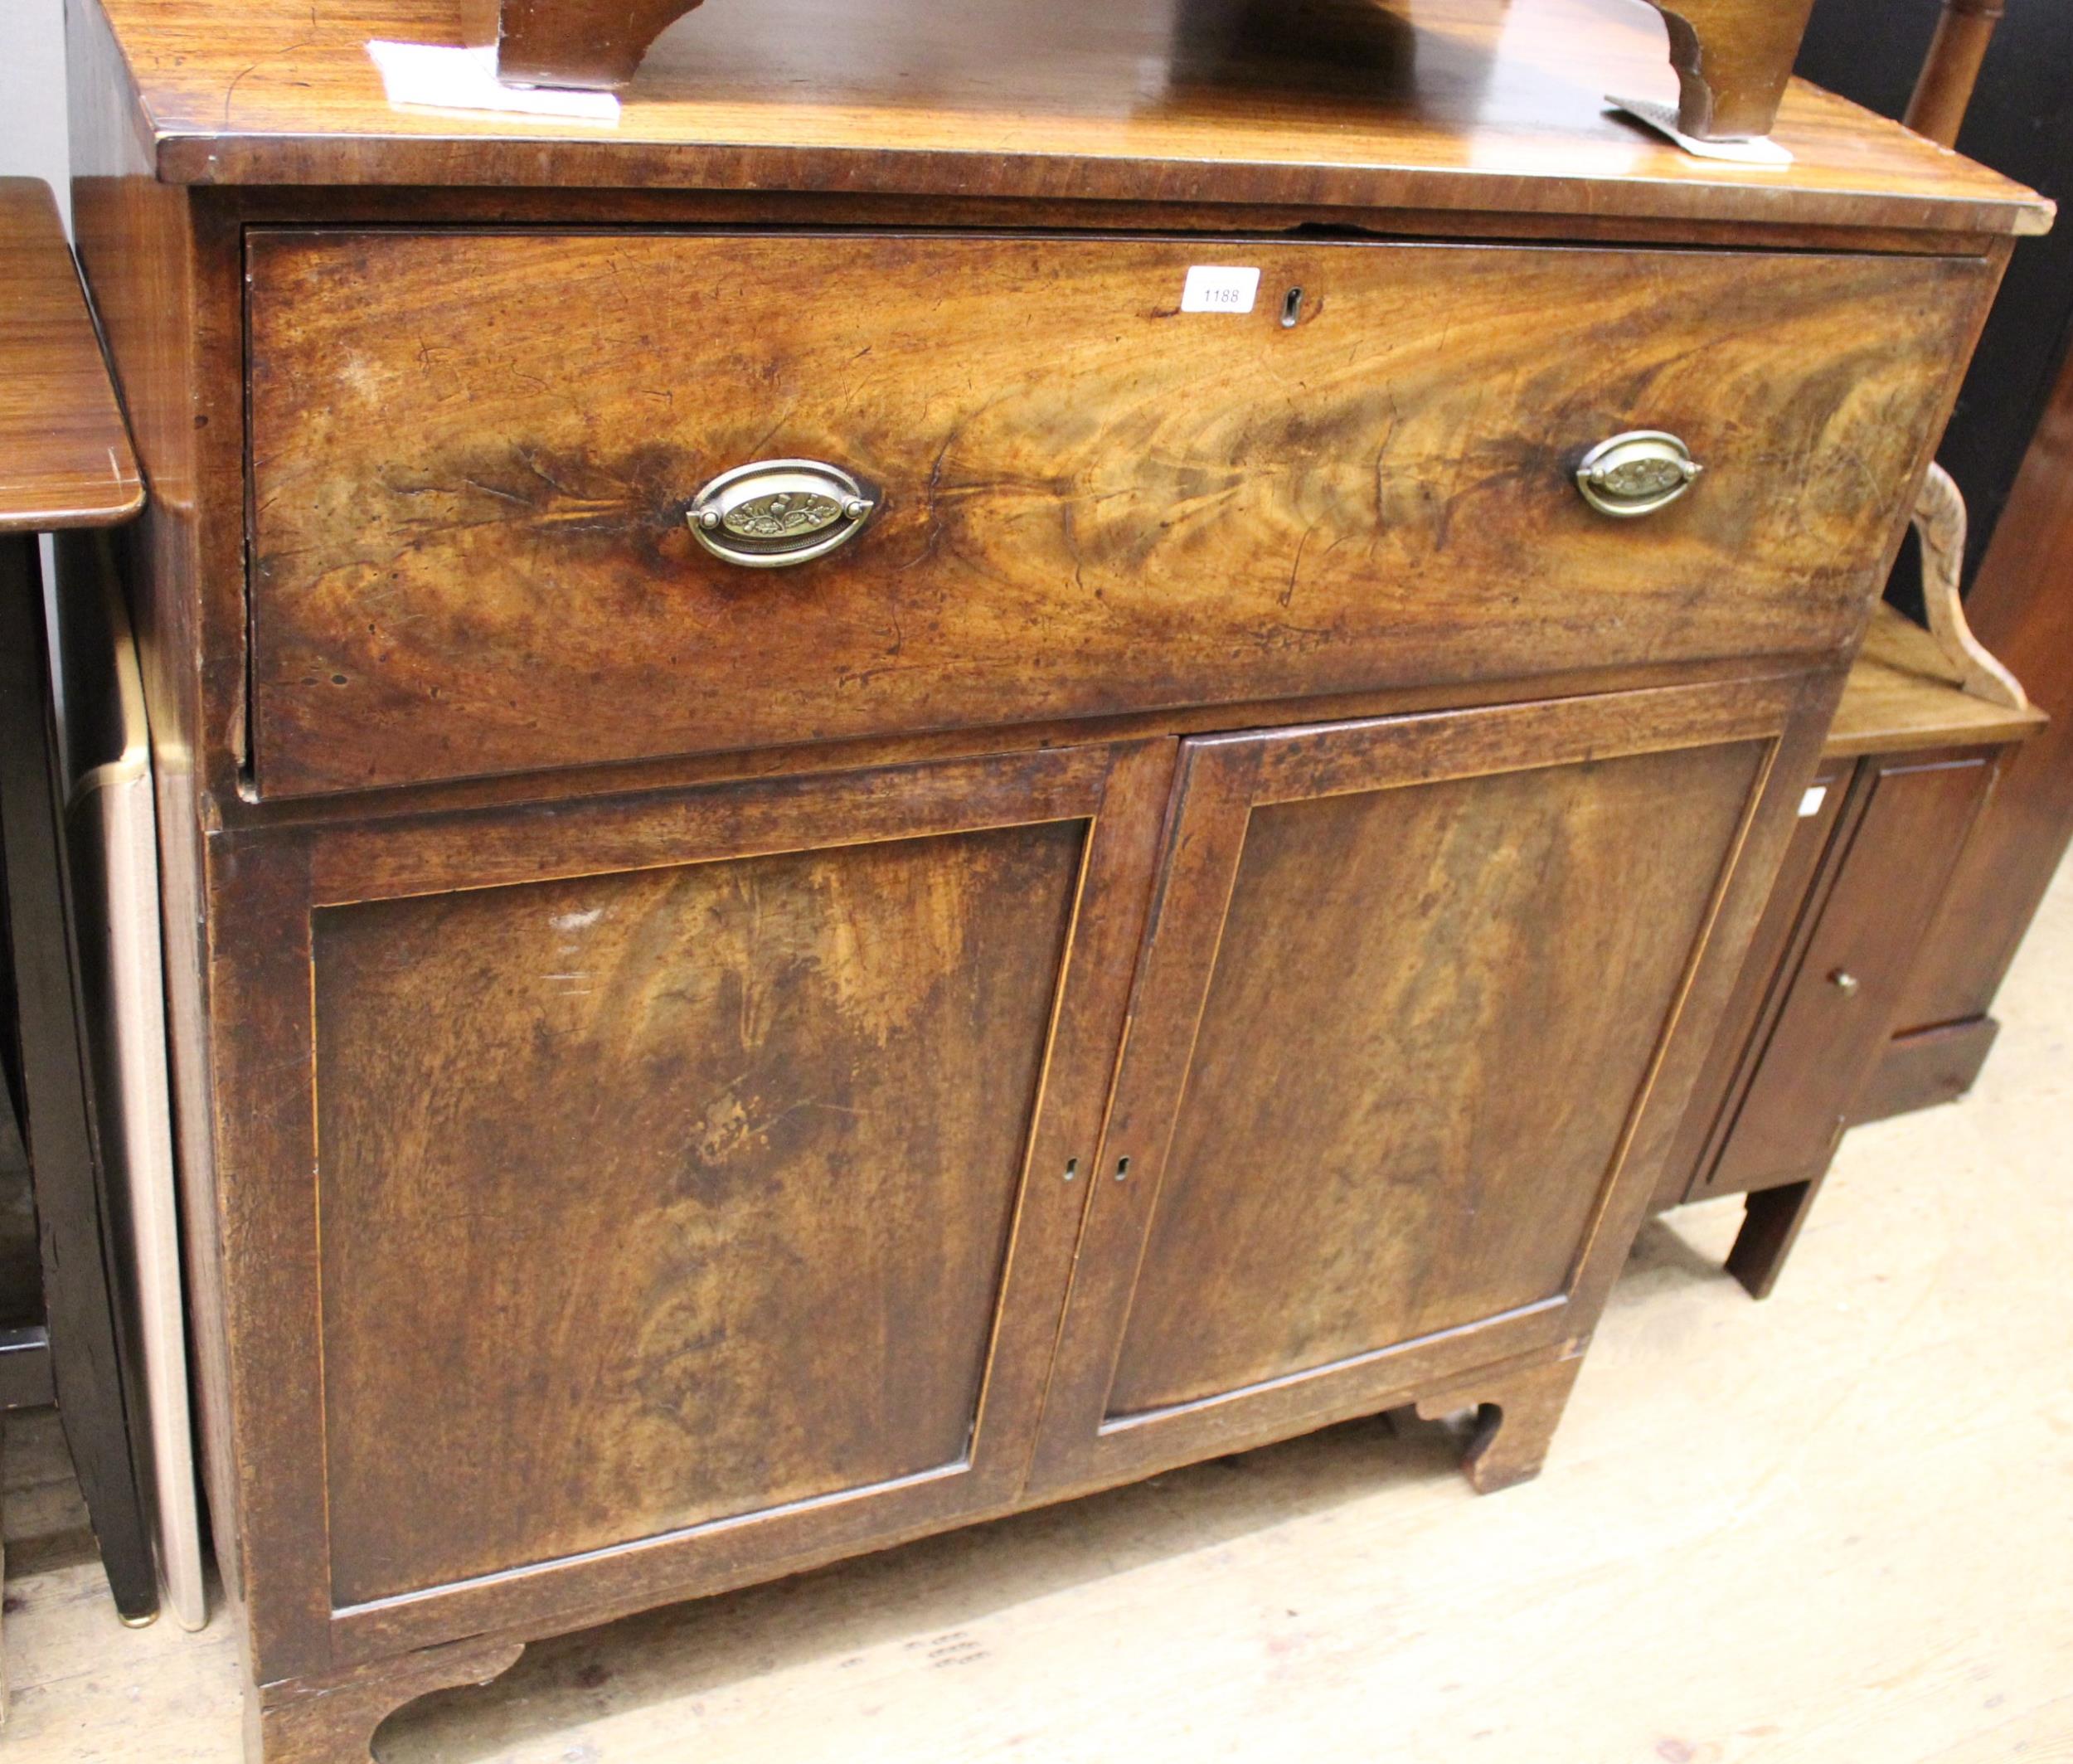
pixel 920 1591
pixel 1663 1254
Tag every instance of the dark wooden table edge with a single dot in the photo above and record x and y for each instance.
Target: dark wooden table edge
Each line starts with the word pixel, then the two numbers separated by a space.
pixel 86 509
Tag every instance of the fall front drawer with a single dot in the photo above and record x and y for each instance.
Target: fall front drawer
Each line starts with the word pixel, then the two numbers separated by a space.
pixel 477 458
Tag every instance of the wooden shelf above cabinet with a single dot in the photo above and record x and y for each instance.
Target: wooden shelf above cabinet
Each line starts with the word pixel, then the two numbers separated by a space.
pixel 1434 105
pixel 1733 57
pixel 1904 697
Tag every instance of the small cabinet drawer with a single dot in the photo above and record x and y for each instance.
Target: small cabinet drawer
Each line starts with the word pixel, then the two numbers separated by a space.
pixel 478 457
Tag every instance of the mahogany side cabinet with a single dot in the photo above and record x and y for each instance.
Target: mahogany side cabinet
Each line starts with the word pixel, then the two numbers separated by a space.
pixel 949 769
pixel 1808 1048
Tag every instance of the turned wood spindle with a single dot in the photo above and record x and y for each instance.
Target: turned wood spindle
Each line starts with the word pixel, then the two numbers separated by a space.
pixel 1943 90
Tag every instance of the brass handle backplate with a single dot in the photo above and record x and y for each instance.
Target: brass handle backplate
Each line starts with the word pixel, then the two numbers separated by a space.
pixel 1636 473
pixel 778 512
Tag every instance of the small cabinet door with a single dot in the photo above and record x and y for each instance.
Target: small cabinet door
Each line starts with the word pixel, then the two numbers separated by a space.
pixel 1833 1009
pixel 1754 1003
pixel 655 1190
pixel 1410 987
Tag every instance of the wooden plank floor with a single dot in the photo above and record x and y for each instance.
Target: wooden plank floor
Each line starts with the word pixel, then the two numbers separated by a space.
pixel 1835 1527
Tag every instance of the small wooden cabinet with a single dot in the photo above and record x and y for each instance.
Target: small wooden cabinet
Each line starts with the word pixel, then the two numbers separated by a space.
pixel 1194 913
pixel 1912 761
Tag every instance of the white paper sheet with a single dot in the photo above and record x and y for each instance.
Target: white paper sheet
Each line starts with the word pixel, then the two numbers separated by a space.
pixel 1757 150
pixel 439 77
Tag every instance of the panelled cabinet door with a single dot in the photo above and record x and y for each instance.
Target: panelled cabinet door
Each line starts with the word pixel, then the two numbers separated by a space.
pixel 1832 1009
pixel 688 1181
pixel 1409 987
pixel 1736 1045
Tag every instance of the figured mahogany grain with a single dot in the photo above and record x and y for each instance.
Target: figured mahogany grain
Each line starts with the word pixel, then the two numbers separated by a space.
pixel 1413 1161
pixel 1438 104
pixel 1356 1166
pixel 1428 117
pixel 697 1181
pixel 913 979
pixel 472 454
pixel 65 453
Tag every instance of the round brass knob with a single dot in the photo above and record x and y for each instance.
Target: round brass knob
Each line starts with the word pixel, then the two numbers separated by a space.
pixel 1844 982
pixel 1636 473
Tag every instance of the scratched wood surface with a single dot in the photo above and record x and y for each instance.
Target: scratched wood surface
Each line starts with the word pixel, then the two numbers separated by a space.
pixel 65 454
pixel 1904 695
pixel 1352 1172
pixel 715 1165
pixel 1421 1168
pixel 1502 134
pixel 472 454
pixel 1441 103
pixel 1748 1519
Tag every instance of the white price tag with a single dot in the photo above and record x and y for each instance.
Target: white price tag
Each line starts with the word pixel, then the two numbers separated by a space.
pixel 1217 288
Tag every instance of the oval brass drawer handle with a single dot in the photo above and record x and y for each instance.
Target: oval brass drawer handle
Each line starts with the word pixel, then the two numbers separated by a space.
pixel 778 512
pixel 1636 473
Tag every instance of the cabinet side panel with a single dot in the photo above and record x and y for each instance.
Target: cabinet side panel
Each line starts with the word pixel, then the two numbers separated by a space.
pixel 659 1197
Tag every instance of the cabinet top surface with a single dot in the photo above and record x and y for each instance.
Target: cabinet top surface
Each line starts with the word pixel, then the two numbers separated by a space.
pixel 64 455
pixel 1904 695
pixel 1488 106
